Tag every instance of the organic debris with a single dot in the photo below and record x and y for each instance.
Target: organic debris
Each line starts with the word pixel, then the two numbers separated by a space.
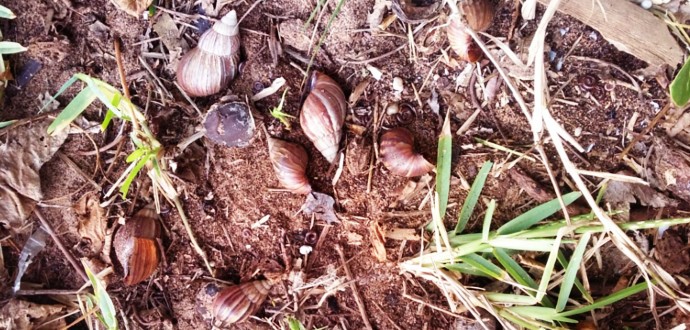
pixel 24 151
pixel 321 207
pixel 20 314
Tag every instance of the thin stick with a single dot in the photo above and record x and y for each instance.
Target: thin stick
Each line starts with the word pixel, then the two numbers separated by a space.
pixel 646 130
pixel 40 292
pixel 123 81
pixel 49 229
pixel 353 287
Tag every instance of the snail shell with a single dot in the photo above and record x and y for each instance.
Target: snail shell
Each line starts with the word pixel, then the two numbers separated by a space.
pixel 323 114
pixel 237 303
pixel 290 164
pixel 230 124
pixel 212 64
pixel 478 13
pixel 461 42
pixel 416 11
pixel 136 245
pixel 398 155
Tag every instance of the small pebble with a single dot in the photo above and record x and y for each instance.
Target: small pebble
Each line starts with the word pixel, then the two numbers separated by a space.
pixel 305 249
pixel 398 84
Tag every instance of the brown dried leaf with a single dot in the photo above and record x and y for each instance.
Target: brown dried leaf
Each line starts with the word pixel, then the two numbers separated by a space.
pixel 132 7
pixel 167 30
pixel 670 171
pixel 410 190
pixel 358 91
pixel 624 192
pixel 92 222
pixel 377 236
pixel 24 151
pixel 20 314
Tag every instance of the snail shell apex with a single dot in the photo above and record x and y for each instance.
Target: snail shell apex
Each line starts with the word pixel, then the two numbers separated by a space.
pixel 398 155
pixel 212 64
pixel 323 115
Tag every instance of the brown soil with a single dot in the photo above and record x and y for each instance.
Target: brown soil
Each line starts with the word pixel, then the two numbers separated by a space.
pixel 226 190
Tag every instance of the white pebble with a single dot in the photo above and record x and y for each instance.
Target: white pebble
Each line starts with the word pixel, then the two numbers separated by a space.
pixel 305 249
pixel 398 84
pixel 646 4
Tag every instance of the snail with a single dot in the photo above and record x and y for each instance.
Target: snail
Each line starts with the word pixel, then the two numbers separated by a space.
pixel 323 114
pixel 416 11
pixel 290 164
pixel 398 155
pixel 237 303
pixel 228 124
pixel 136 245
pixel 478 15
pixel 212 64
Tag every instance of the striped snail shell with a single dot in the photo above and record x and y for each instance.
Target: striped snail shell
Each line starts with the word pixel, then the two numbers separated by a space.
pixel 136 245
pixel 398 154
pixel 290 165
pixel 478 13
pixel 212 64
pixel 461 42
pixel 323 115
pixel 237 303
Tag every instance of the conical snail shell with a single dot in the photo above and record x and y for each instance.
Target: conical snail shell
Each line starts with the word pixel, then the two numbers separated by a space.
pixel 238 302
pixel 478 13
pixel 290 164
pixel 398 155
pixel 461 42
pixel 212 64
pixel 136 245
pixel 323 114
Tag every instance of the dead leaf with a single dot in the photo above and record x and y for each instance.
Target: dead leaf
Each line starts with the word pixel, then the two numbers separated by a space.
pixel 132 7
pixel 320 206
pixel 358 91
pixel 377 236
pixel 376 16
pixel 20 314
pixel 624 192
pixel 167 30
pixel 92 222
pixel 411 189
pixel 22 154
pixel 670 171
pixel 293 34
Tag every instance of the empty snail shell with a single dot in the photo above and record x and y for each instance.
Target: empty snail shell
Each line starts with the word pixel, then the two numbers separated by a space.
pixel 290 164
pixel 478 13
pixel 237 303
pixel 416 11
pixel 398 155
pixel 323 114
pixel 461 42
pixel 230 124
pixel 212 64
pixel 136 245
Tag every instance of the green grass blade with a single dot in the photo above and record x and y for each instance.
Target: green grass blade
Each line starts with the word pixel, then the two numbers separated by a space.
pixel 6 13
pixel 680 86
pixel 508 298
pixel 467 269
pixel 136 154
pixel 539 213
pixel 314 12
pixel 72 110
pixel 540 313
pixel 125 185
pixel 534 325
pixel 105 304
pixel 106 121
pixel 578 284
pixel 62 89
pixel 608 300
pixel 550 264
pixel 519 274
pixel 486 228
pixel 11 47
pixel 571 272
pixel 443 165
pixel 472 197
pixel 516 271
pixel 4 124
pixel 464 239
pixel 484 265
pixel 294 324
pixel 519 244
